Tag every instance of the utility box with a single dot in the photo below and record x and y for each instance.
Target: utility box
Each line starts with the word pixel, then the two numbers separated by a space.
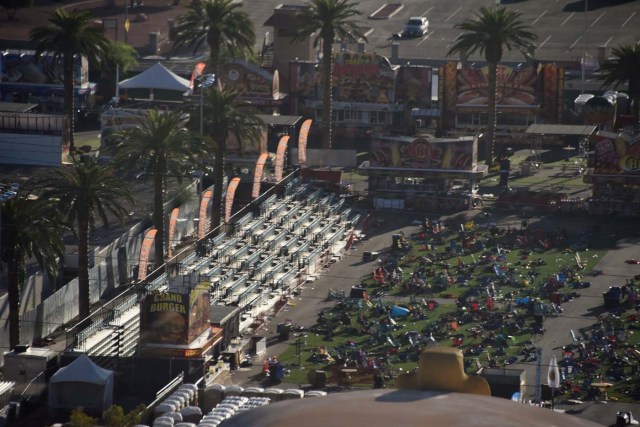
pixel 30 369
pixel 505 382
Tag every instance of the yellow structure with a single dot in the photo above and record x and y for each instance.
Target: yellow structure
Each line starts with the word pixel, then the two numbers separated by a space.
pixel 442 368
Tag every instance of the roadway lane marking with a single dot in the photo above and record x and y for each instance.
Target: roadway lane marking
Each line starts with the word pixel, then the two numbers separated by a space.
pixel 607 42
pixel 453 14
pixel 543 43
pixel 628 19
pixel 427 11
pixel 598 18
pixel 538 18
pixel 568 17
pixel 424 38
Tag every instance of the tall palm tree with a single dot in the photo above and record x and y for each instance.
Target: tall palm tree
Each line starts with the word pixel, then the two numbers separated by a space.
pixel 225 114
pixel 69 34
pixel 84 190
pixel 328 21
pixel 624 67
pixel 31 228
pixel 218 23
pixel 490 33
pixel 163 147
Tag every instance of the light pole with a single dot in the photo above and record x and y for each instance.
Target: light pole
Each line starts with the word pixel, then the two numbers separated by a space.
pixel 584 46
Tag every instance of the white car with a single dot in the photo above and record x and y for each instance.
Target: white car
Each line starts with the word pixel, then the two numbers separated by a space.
pixel 416 26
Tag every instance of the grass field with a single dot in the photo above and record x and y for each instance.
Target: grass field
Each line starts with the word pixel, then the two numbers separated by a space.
pixel 452 306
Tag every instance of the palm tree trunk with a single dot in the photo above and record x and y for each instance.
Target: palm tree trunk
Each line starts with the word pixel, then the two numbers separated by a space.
pixel 69 99
pixel 634 91
pixel 327 106
pixel 14 287
pixel 158 210
pixel 84 303
pixel 218 173
pixel 492 113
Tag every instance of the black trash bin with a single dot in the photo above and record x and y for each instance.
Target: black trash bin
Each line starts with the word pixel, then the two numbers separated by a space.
pixel 612 298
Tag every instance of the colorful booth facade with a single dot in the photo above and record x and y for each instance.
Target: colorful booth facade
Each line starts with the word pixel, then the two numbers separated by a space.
pixel 424 173
pixel 615 176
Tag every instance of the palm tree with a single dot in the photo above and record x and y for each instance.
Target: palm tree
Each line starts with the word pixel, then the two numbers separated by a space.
pixel 31 228
pixel 69 34
pixel 161 145
pixel 118 56
pixel 84 190
pixel 624 67
pixel 225 114
pixel 220 24
pixel 490 33
pixel 328 21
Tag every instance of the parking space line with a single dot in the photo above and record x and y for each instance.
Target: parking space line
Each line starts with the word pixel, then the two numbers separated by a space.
pixel 427 11
pixel 453 14
pixel 424 38
pixel 543 43
pixel 567 20
pixel 574 43
pixel 607 42
pixel 598 18
pixel 628 19
pixel 538 18
pixel 455 40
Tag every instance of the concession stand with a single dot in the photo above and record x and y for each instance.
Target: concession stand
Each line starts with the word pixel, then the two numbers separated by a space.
pixel 424 173
pixel 615 176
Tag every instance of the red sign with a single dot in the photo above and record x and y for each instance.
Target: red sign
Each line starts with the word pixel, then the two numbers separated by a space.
pixel 145 250
pixel 257 176
pixel 231 192
pixel 202 216
pixel 280 152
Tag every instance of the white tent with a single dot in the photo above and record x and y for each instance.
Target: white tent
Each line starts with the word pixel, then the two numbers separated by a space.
pixel 156 77
pixel 81 383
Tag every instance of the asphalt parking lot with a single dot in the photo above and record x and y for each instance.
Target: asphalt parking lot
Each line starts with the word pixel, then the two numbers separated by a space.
pixel 560 25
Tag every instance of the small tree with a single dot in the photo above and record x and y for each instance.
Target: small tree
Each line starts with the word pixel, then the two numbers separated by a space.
pixel 115 416
pixel 80 419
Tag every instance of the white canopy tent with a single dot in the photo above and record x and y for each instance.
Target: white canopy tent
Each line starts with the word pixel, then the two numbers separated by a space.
pixel 156 77
pixel 82 383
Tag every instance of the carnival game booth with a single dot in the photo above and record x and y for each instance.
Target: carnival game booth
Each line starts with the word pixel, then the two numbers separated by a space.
pixel 615 176
pixel 424 173
pixel 525 94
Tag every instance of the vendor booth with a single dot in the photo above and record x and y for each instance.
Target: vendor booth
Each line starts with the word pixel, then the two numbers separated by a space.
pixel 615 175
pixel 81 384
pixel 424 173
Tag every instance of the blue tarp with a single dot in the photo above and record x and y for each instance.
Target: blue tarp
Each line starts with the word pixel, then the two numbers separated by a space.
pixel 399 311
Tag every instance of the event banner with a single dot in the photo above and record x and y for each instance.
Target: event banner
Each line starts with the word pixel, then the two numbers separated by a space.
pixel 514 85
pixel 302 141
pixel 363 77
pixel 202 215
pixel 280 152
pixel 164 318
pixel 145 250
pixel 197 72
pixel 173 220
pixel 257 175
pixel 247 79
pixel 458 154
pixel 413 86
pixel 199 311
pixel 231 193
pixel 615 154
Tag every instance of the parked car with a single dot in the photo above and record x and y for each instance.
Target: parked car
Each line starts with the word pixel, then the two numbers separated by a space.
pixel 416 26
